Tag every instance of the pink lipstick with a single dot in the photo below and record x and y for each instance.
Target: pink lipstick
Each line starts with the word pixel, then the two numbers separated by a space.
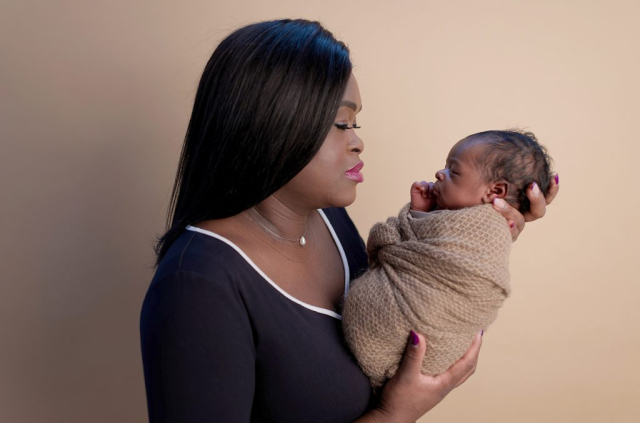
pixel 354 173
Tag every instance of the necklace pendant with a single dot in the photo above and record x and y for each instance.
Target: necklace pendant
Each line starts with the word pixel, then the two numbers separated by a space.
pixel 303 241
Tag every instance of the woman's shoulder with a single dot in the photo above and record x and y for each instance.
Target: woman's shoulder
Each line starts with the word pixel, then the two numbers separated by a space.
pixel 202 255
pixel 197 269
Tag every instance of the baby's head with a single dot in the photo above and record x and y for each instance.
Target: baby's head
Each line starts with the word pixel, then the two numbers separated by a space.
pixel 493 164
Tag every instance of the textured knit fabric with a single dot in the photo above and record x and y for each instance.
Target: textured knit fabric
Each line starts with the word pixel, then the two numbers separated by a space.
pixel 221 344
pixel 444 275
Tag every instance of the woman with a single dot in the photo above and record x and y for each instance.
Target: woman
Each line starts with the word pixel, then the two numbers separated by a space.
pixel 241 322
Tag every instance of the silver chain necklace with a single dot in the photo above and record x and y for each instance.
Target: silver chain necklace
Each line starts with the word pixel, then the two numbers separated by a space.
pixel 302 240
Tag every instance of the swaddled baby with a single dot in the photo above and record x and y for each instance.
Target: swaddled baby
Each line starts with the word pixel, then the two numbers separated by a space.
pixel 441 266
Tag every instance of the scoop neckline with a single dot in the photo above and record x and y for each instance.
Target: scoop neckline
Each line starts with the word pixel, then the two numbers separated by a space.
pixel 311 307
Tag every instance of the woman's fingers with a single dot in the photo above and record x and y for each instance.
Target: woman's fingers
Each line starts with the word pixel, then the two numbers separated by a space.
pixel 412 361
pixel 538 201
pixel 409 394
pixel 515 219
pixel 472 354
pixel 463 368
pixel 538 208
pixel 554 188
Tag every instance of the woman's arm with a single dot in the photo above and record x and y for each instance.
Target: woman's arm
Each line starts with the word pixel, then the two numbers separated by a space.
pixel 197 350
pixel 410 394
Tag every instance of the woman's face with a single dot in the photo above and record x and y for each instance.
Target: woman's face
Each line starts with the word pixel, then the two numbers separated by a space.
pixel 330 179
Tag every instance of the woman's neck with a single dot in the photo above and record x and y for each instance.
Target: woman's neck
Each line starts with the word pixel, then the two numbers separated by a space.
pixel 289 219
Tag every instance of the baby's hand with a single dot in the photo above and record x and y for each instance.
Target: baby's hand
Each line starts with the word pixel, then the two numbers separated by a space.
pixel 422 198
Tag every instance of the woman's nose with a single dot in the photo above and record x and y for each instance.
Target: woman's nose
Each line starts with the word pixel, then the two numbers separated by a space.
pixel 356 145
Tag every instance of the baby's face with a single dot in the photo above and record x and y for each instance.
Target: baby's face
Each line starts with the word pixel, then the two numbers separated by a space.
pixel 460 184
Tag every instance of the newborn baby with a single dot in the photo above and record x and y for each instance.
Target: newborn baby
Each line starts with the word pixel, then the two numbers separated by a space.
pixel 441 266
pixel 485 166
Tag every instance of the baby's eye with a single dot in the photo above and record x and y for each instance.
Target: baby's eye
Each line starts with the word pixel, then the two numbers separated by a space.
pixel 345 126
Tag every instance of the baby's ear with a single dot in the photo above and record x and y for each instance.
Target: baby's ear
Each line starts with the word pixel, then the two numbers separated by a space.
pixel 498 189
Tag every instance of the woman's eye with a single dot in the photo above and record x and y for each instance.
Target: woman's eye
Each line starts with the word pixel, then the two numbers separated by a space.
pixel 345 126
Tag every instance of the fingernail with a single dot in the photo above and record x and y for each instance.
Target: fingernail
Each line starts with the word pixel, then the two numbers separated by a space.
pixel 498 202
pixel 557 178
pixel 534 188
pixel 414 338
pixel 512 225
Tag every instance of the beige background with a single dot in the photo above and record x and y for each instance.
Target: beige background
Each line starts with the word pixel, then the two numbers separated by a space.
pixel 95 98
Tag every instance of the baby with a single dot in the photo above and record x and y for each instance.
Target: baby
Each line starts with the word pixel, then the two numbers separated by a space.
pixel 441 266
pixel 485 166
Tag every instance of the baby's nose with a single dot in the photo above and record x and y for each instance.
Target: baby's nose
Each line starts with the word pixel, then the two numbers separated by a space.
pixel 440 175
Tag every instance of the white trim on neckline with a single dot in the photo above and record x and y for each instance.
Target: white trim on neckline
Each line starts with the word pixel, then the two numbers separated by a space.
pixel 317 309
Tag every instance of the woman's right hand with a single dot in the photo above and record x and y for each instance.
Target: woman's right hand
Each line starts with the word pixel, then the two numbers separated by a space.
pixel 539 204
pixel 410 394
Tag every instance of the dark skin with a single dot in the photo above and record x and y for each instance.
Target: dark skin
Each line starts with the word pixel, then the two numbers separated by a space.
pixel 461 184
pixel 314 273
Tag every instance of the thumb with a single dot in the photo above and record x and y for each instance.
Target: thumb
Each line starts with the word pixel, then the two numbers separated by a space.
pixel 413 355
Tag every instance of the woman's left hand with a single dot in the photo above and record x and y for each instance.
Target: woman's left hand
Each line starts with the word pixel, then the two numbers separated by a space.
pixel 539 205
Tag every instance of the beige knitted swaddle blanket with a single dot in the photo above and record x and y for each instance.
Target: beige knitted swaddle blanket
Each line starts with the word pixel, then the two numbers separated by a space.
pixel 444 275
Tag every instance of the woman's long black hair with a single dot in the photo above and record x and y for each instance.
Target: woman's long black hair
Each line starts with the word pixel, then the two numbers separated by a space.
pixel 265 103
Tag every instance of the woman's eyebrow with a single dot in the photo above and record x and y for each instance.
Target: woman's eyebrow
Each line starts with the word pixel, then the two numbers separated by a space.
pixel 350 104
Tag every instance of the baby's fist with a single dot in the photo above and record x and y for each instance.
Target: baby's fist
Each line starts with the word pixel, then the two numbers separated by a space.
pixel 422 198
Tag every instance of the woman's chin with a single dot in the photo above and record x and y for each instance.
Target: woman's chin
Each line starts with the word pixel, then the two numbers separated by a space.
pixel 343 199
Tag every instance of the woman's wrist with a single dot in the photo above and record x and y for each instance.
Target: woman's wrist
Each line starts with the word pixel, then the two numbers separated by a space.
pixel 377 415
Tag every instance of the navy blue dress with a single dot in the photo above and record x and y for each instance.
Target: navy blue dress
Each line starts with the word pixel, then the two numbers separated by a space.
pixel 222 343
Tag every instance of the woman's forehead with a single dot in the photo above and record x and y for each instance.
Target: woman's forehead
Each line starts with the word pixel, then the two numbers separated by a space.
pixel 351 97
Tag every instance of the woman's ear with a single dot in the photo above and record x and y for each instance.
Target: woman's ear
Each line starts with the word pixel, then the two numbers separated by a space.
pixel 498 189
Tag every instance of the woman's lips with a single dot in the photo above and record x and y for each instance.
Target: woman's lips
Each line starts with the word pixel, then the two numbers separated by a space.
pixel 354 173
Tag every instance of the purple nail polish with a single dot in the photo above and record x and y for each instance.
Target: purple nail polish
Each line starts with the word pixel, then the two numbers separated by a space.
pixel 512 225
pixel 482 332
pixel 414 338
pixel 557 178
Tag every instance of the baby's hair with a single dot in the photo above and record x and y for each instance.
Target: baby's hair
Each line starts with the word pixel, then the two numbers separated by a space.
pixel 514 156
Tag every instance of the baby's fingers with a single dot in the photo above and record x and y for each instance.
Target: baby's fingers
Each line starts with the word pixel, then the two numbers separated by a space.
pixel 424 189
pixel 429 189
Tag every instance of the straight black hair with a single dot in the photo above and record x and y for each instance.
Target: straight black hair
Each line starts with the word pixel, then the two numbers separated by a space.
pixel 515 156
pixel 265 103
